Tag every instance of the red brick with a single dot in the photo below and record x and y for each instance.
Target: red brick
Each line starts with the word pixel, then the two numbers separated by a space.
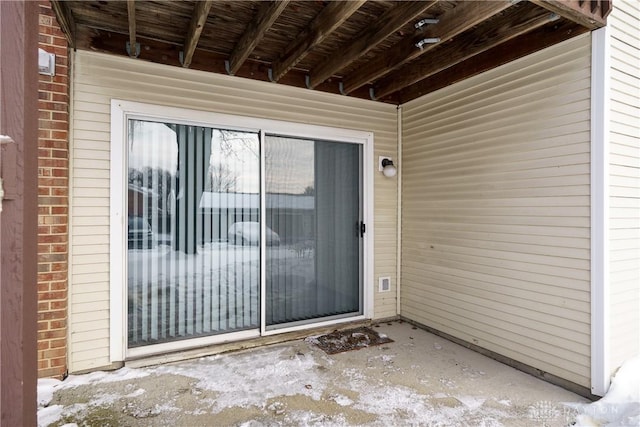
pixel 60 172
pixel 58 267
pixel 53 192
pixel 58 352
pixel 45 39
pixel 60 343
pixel 59 97
pixel 51 277
pixel 58 191
pixel 58 286
pixel 52 143
pixel 51 315
pixel 59 362
pixel 58 248
pixel 59 210
pixel 60 154
pixel 58 305
pixel 60 115
pixel 57 295
pixel 49 124
pixel 53 182
pixel 57 324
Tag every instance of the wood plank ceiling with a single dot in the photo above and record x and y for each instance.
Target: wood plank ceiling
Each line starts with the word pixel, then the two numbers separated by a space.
pixel 390 51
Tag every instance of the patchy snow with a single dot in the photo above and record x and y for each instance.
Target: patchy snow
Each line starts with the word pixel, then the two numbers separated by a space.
pixel 49 415
pixel 298 384
pixel 46 388
pixel 621 405
pixel 341 400
pixel 123 374
pixel 251 376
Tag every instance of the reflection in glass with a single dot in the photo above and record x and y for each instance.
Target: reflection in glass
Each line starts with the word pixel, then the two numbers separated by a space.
pixel 193 254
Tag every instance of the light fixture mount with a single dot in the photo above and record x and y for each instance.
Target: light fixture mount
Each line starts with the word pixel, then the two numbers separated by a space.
pixel 386 166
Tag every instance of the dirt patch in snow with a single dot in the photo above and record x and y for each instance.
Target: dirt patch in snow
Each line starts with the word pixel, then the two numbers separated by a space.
pixel 351 339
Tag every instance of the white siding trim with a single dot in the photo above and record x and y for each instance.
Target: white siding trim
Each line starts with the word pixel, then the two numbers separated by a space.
pixel 122 110
pixel 117 261
pixel 399 215
pixel 600 60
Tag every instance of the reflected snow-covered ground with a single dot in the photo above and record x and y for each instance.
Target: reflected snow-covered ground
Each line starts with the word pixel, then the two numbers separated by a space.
pixel 174 295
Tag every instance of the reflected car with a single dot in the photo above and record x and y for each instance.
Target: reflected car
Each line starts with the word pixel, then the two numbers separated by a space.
pixel 248 234
pixel 139 233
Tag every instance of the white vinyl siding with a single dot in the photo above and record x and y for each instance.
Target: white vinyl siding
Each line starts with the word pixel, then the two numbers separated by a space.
pixel 496 210
pixel 624 182
pixel 98 78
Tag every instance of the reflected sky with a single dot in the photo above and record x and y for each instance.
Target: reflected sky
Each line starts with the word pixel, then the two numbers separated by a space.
pixel 154 145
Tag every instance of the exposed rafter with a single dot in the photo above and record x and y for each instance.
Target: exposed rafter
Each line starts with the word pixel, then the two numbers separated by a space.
pixel 591 14
pixel 515 22
pixel 373 48
pixel 131 13
pixel 506 52
pixel 327 21
pixel 463 17
pixel 198 19
pixel 66 21
pixel 387 24
pixel 264 19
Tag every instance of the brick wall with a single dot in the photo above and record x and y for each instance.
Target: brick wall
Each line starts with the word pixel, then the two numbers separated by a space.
pixel 53 192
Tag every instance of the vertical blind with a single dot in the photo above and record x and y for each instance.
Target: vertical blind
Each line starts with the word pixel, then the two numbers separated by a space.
pixel 313 203
pixel 188 187
pixel 194 231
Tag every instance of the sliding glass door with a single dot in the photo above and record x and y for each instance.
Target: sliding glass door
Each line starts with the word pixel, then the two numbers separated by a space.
pixel 197 224
pixel 188 189
pixel 313 205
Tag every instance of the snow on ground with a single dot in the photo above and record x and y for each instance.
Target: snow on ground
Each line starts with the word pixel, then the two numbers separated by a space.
pixel 298 384
pixel 621 405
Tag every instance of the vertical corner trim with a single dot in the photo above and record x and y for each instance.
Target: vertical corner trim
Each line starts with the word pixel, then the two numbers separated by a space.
pixel 600 96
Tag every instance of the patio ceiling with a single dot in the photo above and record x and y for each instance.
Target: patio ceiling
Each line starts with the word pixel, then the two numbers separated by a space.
pixel 392 51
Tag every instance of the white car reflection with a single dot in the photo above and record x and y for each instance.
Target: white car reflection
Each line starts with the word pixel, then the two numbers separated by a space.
pixel 248 234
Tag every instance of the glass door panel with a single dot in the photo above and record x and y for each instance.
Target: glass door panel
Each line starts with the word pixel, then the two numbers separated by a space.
pixel 313 216
pixel 193 253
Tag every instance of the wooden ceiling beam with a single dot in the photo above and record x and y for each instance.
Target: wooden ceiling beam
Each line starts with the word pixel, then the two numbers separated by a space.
pixel 166 53
pixel 534 41
pixel 591 14
pixel 464 16
pixel 264 19
pixel 131 13
pixel 515 21
pixel 325 23
pixel 198 19
pixel 390 22
pixel 66 21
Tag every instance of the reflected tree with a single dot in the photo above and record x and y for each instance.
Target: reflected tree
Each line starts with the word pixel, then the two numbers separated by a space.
pixel 221 179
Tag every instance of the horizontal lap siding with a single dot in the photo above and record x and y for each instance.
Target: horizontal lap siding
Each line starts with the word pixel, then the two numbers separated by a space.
pixel 98 78
pixel 496 210
pixel 624 180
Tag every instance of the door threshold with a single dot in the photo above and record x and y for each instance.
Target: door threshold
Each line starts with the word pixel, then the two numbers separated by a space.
pixel 210 350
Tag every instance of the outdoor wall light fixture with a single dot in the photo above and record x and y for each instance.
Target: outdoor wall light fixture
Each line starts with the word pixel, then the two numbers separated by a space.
pixel 386 166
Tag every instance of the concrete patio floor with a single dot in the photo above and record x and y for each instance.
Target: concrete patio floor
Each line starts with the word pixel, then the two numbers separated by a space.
pixel 419 379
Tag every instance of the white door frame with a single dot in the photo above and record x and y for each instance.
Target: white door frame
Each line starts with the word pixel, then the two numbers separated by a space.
pixel 121 111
